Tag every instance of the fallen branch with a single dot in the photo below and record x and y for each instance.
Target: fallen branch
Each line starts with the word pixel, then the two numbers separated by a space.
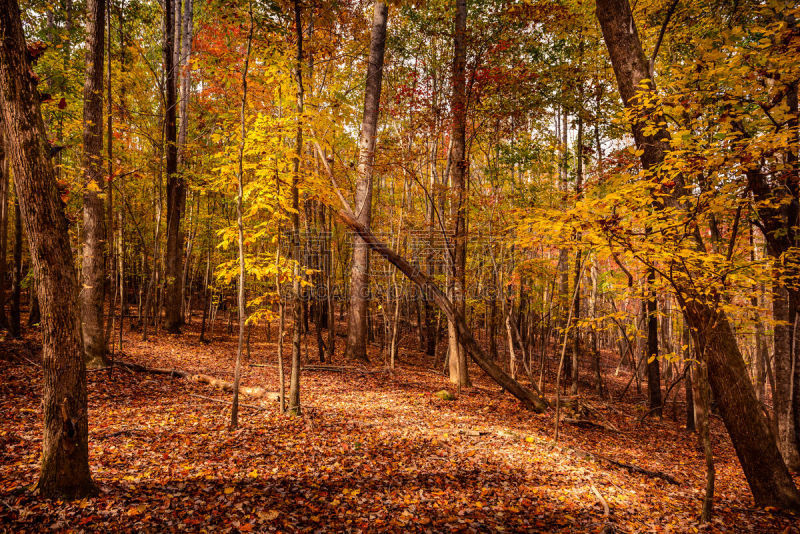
pixel 608 527
pixel 630 467
pixel 532 400
pixel 256 392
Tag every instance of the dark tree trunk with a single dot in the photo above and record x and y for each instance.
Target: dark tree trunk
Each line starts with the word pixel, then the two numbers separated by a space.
pixel 176 187
pixel 653 365
pixel 359 276
pixel 94 239
pixel 747 426
pixel 297 304
pixel 15 325
pixel 4 189
pixel 65 457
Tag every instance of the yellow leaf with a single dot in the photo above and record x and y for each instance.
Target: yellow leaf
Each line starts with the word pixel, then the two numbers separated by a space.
pixel 138 509
pixel 228 490
pixel 270 515
pixel 253 473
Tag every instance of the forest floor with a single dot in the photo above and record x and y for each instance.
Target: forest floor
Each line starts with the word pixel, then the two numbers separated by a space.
pixel 373 451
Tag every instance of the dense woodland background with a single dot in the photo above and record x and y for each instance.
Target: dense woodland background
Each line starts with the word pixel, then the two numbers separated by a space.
pixel 441 265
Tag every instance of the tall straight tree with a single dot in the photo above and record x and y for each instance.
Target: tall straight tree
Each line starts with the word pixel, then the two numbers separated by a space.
pixel 712 334
pixel 176 187
pixel 297 305
pixel 94 240
pixel 65 456
pixel 359 274
pixel 458 171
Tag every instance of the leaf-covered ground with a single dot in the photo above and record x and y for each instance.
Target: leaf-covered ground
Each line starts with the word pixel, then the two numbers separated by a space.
pixel 373 451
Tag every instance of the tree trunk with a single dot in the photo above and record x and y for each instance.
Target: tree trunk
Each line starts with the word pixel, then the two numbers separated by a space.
pixel 532 400
pixel 176 187
pixel 4 189
pixel 785 347
pixel 359 275
pixel 15 323
pixel 653 369
pixel 65 457
pixel 237 373
pixel 297 305
pixel 458 171
pixel 94 243
pixel 749 430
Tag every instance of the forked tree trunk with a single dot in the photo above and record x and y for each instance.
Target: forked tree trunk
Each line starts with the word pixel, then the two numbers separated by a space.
pixel 359 275
pixel 94 242
pixel 747 426
pixel 65 457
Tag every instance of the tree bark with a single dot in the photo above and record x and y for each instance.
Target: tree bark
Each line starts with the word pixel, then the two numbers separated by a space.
pixel 94 242
pixel 532 400
pixel 359 275
pixel 297 305
pixel 749 430
pixel 785 346
pixel 176 186
pixel 64 469
pixel 4 189
pixel 237 373
pixel 459 370
pixel 653 364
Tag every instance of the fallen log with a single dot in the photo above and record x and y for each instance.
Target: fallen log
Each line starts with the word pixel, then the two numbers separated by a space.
pixel 532 400
pixel 629 467
pixel 255 392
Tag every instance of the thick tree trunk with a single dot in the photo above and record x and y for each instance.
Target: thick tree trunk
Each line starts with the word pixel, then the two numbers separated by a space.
pixel 359 275
pixel 458 182
pixel 64 465
pixel 749 430
pixel 176 187
pixel 94 241
pixel 785 346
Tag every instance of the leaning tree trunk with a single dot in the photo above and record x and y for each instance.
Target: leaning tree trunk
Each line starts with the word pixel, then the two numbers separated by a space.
pixel 747 426
pixel 532 400
pixel 359 275
pixel 94 242
pixel 65 458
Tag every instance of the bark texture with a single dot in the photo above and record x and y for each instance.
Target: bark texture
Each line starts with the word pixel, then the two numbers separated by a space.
pixel 176 186
pixel 359 275
pixel 747 426
pixel 458 171
pixel 64 465
pixel 94 240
